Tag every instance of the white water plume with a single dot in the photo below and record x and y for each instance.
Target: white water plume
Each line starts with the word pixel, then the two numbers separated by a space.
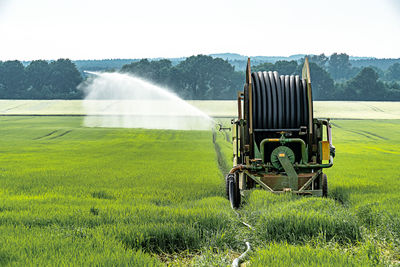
pixel 123 101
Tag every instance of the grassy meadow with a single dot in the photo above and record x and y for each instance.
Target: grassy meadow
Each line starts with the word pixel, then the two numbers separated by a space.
pixel 71 195
pixel 357 225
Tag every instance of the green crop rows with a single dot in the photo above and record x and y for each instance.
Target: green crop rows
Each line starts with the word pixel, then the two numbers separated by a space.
pixel 76 195
pixel 358 225
pixel 71 195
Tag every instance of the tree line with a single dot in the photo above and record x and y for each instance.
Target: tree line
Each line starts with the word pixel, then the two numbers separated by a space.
pixel 197 77
pixel 40 80
pixel 333 77
pixel 205 78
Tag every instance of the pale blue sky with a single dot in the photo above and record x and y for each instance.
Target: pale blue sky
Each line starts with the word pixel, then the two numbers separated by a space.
pixel 94 29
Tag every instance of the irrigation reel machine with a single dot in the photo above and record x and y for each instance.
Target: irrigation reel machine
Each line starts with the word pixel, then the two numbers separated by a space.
pixel 277 144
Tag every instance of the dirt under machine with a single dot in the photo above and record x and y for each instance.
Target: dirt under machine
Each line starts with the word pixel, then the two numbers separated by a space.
pixel 277 143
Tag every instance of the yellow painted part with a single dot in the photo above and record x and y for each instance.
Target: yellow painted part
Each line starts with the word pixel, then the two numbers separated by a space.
pixel 325 150
pixel 273 140
pixel 282 155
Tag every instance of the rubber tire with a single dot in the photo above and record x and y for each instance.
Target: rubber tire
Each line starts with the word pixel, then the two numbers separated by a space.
pixel 227 185
pixel 234 192
pixel 324 185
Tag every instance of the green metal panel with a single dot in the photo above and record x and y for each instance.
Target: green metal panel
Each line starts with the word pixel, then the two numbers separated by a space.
pixel 283 140
pixel 290 171
pixel 257 153
pixel 275 156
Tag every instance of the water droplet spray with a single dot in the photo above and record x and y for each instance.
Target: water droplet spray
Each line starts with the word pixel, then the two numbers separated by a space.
pixel 124 101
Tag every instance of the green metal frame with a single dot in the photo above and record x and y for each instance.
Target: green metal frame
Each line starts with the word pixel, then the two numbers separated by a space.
pixel 315 192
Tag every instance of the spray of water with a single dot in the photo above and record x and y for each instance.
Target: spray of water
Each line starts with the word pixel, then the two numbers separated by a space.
pixel 124 101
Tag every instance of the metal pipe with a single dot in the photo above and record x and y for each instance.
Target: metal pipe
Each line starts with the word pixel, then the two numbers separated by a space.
pixel 250 89
pixel 239 167
pixel 327 165
pixel 239 100
pixel 250 93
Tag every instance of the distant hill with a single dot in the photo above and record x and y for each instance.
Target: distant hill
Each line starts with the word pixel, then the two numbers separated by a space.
pixel 382 63
pixel 237 60
pixel 272 59
pixel 102 64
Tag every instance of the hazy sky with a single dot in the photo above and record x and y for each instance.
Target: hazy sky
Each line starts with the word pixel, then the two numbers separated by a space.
pixel 94 29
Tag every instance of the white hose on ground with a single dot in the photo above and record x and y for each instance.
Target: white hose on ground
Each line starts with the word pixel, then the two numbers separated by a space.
pixel 239 259
pixel 236 262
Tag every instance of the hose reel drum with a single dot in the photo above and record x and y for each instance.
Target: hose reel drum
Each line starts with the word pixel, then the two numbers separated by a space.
pixel 278 145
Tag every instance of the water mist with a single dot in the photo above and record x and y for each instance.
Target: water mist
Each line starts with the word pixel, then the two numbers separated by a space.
pixel 124 101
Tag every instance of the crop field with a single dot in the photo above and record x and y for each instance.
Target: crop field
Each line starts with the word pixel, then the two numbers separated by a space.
pixel 78 195
pixel 358 225
pixel 213 108
pixel 71 195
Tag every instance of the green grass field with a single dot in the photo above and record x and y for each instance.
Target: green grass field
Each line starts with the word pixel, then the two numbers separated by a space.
pixel 359 224
pixel 71 195
pixel 77 195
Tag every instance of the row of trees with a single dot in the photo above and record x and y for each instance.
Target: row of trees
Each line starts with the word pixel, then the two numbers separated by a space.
pixel 355 83
pixel 333 78
pixel 39 80
pixel 341 68
pixel 197 77
pixel 205 77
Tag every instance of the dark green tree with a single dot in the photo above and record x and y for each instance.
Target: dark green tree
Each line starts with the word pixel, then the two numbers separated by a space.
pixel 156 71
pixel 37 77
pixel 393 91
pixel 267 66
pixel 64 78
pixel 393 72
pixel 284 67
pixel 365 86
pixel 205 77
pixel 12 79
pixel 339 66
pixel 323 86
pixel 321 60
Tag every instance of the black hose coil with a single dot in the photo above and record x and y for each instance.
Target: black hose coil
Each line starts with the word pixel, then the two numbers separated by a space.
pixel 279 102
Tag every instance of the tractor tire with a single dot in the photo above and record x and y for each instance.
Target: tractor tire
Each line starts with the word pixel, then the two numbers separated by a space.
pixel 234 192
pixel 324 185
pixel 227 184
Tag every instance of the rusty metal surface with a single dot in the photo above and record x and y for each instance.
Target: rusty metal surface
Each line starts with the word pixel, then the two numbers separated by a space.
pixel 278 181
